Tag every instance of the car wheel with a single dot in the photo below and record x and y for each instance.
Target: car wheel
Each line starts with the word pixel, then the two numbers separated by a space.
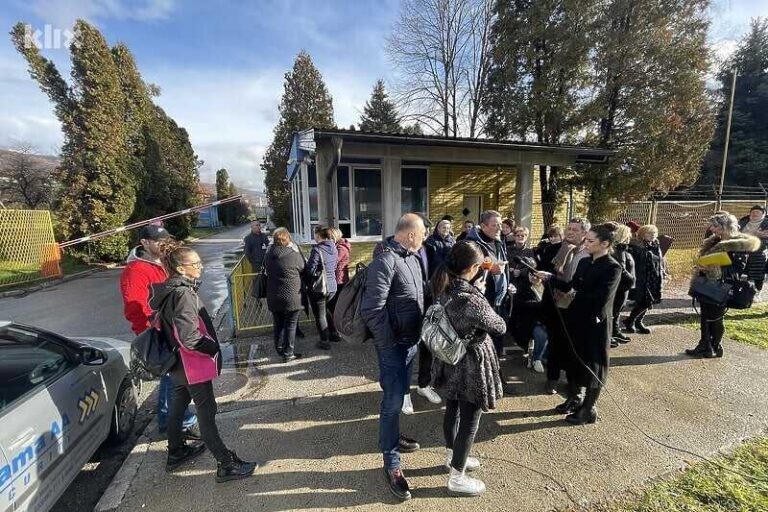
pixel 124 413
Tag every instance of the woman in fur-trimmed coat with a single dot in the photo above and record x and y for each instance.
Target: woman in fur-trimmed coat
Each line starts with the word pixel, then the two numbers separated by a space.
pixel 725 239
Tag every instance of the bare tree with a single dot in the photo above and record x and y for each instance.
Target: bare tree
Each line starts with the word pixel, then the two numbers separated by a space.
pixel 25 178
pixel 441 51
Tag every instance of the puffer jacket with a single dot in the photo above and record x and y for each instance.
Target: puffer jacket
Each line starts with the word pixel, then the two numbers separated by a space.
pixel 623 257
pixel 284 267
pixel 330 257
pixel 738 248
pixel 392 305
pixel 437 250
pixel 476 377
pixel 757 260
pixel 139 274
pixel 185 321
pixel 344 250
pixel 649 272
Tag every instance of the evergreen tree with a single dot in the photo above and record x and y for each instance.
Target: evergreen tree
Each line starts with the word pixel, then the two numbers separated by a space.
pixel 747 163
pixel 379 113
pixel 306 103
pixel 97 189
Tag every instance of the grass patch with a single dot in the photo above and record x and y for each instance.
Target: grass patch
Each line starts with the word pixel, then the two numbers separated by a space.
pixel 205 232
pixel 706 487
pixel 72 265
pixel 680 263
pixel 743 325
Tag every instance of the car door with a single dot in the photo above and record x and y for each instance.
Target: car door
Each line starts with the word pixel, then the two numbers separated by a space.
pixel 53 418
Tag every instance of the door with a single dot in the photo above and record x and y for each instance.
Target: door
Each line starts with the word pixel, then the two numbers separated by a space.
pixel 53 417
pixel 473 207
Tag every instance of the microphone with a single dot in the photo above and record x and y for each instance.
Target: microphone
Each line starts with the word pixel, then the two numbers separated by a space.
pixel 521 261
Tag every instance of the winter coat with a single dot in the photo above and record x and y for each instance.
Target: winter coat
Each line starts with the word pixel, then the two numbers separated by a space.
pixel 255 248
pixel 344 250
pixel 139 274
pixel 495 285
pixel 649 269
pixel 756 261
pixel 328 263
pixel 527 309
pixel 185 321
pixel 590 315
pixel 437 249
pixel 623 257
pixel 284 267
pixel 514 251
pixel 392 304
pixel 738 248
pixel 476 377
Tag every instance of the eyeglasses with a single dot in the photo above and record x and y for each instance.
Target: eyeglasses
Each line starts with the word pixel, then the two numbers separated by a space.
pixel 194 264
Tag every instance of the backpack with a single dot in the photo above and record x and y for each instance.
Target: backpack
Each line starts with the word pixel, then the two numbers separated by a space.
pixel 346 317
pixel 439 336
pixel 152 356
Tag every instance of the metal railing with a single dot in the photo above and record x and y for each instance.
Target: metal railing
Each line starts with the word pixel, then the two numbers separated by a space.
pixel 28 249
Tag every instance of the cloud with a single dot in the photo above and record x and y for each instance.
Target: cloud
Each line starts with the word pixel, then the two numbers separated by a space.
pixel 63 14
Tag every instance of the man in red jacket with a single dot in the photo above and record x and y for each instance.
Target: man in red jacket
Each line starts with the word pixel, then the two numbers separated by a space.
pixel 143 270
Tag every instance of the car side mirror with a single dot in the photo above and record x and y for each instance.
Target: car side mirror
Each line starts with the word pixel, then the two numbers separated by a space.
pixel 90 356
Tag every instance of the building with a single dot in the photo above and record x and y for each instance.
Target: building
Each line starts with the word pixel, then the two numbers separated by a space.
pixel 362 182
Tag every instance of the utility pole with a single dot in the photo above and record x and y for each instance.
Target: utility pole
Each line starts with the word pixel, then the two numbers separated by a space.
pixel 727 140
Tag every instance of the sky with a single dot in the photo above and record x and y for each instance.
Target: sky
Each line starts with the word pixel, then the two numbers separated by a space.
pixel 220 64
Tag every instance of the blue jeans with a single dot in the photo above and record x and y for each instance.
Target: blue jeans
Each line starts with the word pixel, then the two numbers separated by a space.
pixel 164 393
pixel 395 362
pixel 539 342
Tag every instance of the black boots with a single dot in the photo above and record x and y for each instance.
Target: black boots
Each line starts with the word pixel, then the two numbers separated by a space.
pixel 236 469
pixel 572 402
pixel 629 324
pixel 587 413
pixel 706 350
pixel 397 483
pixel 186 453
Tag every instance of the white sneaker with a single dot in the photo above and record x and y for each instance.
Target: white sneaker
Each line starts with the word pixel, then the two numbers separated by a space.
pixel 429 394
pixel 407 404
pixel 460 484
pixel 538 367
pixel 471 464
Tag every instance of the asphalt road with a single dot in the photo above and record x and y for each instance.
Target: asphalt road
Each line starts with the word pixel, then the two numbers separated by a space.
pixel 92 306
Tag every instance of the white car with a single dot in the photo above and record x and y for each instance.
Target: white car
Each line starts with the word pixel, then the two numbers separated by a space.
pixel 60 399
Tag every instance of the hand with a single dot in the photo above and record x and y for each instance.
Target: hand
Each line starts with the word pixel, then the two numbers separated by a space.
pixel 511 289
pixel 543 276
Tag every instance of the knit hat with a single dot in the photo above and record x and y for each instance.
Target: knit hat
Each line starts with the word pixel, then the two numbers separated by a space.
pixel 633 226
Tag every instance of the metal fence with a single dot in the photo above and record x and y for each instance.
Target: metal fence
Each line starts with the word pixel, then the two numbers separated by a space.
pixel 28 249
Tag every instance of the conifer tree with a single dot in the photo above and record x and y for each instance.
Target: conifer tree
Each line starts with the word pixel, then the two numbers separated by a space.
pixel 380 113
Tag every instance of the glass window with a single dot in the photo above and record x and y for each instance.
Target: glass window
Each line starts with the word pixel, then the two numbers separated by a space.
pixel 413 190
pixel 312 182
pixel 28 360
pixel 368 202
pixel 342 185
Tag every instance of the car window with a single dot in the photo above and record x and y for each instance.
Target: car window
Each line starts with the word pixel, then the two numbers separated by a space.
pixel 28 360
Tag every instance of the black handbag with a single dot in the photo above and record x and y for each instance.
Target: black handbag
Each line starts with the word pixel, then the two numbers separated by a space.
pixel 319 285
pixel 259 286
pixel 710 291
pixel 742 295
pixel 152 356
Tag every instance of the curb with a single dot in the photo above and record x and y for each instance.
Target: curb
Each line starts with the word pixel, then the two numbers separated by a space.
pixel 115 492
pixel 22 292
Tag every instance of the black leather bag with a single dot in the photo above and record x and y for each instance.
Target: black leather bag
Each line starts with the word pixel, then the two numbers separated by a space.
pixel 259 285
pixel 152 356
pixel 710 291
pixel 742 295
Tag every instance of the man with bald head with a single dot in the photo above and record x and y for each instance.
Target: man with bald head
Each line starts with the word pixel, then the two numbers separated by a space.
pixel 392 307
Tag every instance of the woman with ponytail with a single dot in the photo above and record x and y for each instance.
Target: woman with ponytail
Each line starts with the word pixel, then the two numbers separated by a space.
pixel 473 385
pixel 186 325
pixel 589 317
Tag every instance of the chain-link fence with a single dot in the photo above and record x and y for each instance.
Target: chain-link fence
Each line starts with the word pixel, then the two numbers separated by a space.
pixel 28 249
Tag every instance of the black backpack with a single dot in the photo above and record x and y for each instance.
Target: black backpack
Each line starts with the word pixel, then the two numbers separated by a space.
pixel 346 317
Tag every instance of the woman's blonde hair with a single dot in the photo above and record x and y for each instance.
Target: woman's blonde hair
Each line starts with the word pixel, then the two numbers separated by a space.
pixel 726 221
pixel 623 234
pixel 647 229
pixel 282 237
pixel 523 229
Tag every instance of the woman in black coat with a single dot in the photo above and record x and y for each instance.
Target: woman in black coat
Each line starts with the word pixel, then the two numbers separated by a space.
pixel 649 277
pixel 284 267
pixel 622 255
pixel 756 224
pixel 438 245
pixel 589 317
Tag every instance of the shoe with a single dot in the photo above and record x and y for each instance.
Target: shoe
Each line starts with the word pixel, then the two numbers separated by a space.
pixel 471 464
pixel 628 327
pixel 719 350
pixel 538 366
pixel 459 484
pixel 623 338
pixel 701 350
pixel 184 454
pixel 237 469
pixel 398 485
pixel 615 343
pixel 334 337
pixel 408 445
pixel 323 345
pixel 295 355
pixel 587 412
pixel 192 433
pixel 641 328
pixel 429 394
pixel 571 405
pixel 550 387
pixel 407 407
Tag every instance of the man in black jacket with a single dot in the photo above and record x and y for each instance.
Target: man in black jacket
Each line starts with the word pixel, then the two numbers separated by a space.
pixel 256 244
pixel 392 307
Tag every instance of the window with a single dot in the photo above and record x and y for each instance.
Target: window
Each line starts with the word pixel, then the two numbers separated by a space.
pixel 368 202
pixel 312 184
pixel 28 360
pixel 413 190
pixel 342 185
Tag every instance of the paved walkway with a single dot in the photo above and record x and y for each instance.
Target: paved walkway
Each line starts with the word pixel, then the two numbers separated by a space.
pixel 314 423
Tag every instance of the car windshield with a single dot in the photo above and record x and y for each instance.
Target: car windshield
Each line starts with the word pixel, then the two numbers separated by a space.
pixel 27 359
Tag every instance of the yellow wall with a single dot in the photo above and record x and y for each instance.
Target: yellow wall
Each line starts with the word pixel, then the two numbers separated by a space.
pixel 449 184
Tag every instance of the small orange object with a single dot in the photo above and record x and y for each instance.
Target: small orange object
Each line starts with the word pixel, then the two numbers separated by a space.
pixel 50 260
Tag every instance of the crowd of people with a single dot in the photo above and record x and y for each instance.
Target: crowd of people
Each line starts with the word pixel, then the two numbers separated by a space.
pixel 560 299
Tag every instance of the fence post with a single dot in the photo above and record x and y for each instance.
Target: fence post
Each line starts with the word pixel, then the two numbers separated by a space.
pixel 653 212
